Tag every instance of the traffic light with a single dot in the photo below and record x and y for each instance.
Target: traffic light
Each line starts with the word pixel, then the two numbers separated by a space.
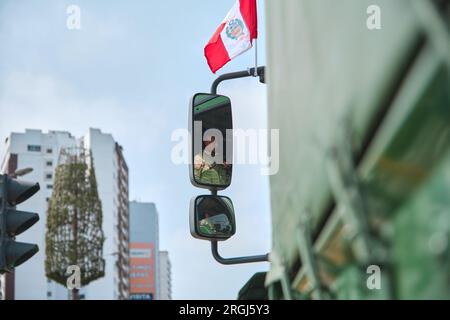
pixel 14 222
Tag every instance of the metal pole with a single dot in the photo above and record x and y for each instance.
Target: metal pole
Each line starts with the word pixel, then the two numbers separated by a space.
pixel 236 260
pixel 260 71
pixel 255 74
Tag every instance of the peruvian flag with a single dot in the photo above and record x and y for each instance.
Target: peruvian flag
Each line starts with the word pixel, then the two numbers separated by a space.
pixel 234 36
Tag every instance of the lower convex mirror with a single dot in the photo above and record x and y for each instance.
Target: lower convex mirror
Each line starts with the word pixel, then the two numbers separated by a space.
pixel 212 217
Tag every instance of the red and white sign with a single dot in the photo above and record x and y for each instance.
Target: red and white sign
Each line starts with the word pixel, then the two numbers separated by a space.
pixel 234 36
pixel 142 271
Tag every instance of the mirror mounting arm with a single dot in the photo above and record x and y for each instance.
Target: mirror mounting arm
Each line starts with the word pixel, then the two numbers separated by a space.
pixel 240 74
pixel 260 71
pixel 236 260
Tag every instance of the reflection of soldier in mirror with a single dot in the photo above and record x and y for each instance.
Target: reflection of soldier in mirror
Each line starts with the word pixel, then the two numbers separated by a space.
pixel 213 218
pixel 206 170
pixel 205 226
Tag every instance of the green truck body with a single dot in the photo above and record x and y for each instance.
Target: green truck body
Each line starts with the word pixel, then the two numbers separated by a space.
pixel 364 124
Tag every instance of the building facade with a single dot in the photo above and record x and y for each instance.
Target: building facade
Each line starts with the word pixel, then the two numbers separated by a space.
pixel 40 151
pixel 144 252
pixel 165 276
pixel 111 173
pixel 123 225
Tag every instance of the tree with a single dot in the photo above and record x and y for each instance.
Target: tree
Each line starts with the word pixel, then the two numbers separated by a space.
pixel 74 234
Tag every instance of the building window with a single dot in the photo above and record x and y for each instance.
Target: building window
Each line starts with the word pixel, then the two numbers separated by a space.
pixel 49 294
pixel 49 151
pixel 49 163
pixel 47 199
pixel 49 186
pixel 48 176
pixel 34 148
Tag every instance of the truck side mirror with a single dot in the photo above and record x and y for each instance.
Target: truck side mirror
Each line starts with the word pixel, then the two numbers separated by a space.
pixel 211 129
pixel 212 217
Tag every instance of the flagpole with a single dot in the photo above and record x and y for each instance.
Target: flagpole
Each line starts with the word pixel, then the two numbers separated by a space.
pixel 255 74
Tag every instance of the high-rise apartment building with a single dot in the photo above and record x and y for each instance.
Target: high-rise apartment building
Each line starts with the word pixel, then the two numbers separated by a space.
pixel 144 251
pixel 111 173
pixel 165 276
pixel 40 151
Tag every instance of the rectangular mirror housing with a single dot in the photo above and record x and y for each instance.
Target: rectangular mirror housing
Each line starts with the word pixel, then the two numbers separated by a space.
pixel 211 150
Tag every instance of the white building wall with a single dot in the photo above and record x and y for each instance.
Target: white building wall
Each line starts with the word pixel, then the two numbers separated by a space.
pixel 102 147
pixel 165 274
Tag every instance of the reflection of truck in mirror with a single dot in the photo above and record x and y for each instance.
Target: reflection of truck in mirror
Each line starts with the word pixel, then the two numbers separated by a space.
pixel 360 205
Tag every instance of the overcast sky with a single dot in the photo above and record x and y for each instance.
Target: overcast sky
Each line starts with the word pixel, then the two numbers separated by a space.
pixel 130 71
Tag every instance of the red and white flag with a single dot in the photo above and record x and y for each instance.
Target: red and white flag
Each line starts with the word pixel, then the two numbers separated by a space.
pixel 234 36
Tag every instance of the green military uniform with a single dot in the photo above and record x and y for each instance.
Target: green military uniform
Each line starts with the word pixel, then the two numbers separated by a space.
pixel 214 174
